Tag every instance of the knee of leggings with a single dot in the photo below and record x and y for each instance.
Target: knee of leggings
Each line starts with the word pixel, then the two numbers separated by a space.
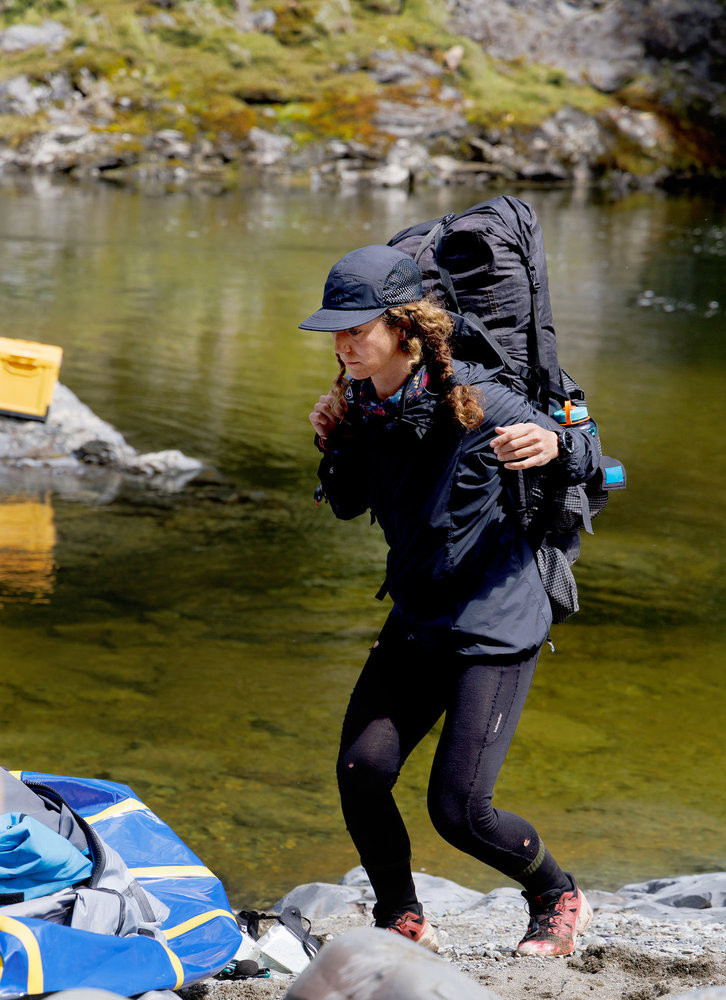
pixel 365 772
pixel 452 819
pixel 448 816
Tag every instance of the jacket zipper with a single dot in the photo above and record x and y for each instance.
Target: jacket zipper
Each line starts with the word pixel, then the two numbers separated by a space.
pixel 95 846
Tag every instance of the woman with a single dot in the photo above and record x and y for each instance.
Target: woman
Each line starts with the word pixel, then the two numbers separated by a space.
pixel 420 440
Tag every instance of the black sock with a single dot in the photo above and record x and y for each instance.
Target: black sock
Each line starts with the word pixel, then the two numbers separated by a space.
pixel 548 877
pixel 394 890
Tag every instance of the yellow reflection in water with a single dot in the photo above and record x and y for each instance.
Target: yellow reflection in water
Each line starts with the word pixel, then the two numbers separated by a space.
pixel 27 542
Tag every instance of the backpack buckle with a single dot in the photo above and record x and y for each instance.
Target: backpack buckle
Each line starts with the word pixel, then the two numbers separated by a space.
pixel 532 273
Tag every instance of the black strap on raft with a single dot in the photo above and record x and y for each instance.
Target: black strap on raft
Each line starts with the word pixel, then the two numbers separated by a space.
pixel 536 376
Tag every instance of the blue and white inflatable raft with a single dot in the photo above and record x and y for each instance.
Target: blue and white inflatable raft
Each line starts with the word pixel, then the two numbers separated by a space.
pixel 192 932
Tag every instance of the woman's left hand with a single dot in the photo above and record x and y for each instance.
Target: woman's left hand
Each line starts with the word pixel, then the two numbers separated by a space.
pixel 524 446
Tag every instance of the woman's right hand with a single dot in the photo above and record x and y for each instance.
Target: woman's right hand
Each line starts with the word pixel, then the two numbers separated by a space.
pixel 327 414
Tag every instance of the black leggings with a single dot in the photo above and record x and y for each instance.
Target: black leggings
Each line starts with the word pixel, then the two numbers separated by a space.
pixel 402 690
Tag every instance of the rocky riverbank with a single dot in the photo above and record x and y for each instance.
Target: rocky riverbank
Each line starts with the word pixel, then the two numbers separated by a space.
pixel 621 93
pixel 662 938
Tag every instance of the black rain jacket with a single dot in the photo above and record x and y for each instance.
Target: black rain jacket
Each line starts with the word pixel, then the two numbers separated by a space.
pixel 460 571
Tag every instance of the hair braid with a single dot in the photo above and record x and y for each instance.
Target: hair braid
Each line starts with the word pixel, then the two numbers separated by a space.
pixel 429 329
pixel 339 383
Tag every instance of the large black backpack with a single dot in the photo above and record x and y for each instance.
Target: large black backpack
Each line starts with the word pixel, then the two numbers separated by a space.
pixel 486 266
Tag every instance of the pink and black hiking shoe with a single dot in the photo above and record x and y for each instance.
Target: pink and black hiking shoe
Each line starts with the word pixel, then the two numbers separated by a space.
pixel 555 920
pixel 412 925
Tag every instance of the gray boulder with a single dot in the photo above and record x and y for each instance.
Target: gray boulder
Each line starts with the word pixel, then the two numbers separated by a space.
pixel 438 895
pixel 404 68
pixel 170 143
pixel 322 899
pixel 74 438
pixel 673 50
pixel 267 149
pixel 18 96
pixel 589 42
pixel 705 993
pixel 18 37
pixel 353 894
pixel 372 964
pixel 86 994
pixel 61 148
pixel 420 119
pixel 698 892
pixel 93 994
pixel 699 899
pixel 571 134
pixel 605 44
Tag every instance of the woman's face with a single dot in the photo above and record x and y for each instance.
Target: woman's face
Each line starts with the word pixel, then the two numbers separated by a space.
pixel 372 350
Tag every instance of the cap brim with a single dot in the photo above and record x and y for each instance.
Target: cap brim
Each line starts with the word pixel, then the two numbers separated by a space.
pixel 332 320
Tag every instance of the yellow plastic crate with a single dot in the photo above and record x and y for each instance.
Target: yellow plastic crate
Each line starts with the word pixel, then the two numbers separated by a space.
pixel 28 374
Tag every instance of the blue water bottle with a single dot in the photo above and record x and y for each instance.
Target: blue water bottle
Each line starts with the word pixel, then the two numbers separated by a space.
pixel 577 415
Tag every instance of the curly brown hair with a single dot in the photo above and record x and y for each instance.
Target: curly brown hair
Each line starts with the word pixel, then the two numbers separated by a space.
pixel 428 338
pixel 428 330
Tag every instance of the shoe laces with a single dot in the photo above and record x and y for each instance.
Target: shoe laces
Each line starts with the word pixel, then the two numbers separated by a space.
pixel 409 917
pixel 552 916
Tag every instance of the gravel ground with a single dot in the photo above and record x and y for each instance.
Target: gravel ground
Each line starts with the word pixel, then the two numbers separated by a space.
pixel 623 956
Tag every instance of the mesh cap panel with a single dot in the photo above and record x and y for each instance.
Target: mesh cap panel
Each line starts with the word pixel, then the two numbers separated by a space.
pixel 403 284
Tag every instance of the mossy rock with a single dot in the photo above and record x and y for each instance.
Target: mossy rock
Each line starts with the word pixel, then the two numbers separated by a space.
pixel 13 11
pixel 300 22
pixel 383 6
pixel 346 117
pixel 226 115
pixel 182 37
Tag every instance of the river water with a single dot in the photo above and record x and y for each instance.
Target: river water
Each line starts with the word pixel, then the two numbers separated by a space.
pixel 200 646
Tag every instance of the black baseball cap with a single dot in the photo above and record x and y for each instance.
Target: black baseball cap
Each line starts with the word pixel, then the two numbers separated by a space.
pixel 362 285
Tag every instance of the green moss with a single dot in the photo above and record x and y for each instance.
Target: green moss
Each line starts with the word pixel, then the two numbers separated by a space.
pixel 129 131
pixel 383 6
pixel 221 115
pixel 15 128
pixel 204 51
pixel 183 38
pixel 13 11
pixel 126 142
pixel 420 26
pixel 630 158
pixel 342 116
pixel 693 146
pixel 517 93
pixel 103 63
pixel 274 74
pixel 295 22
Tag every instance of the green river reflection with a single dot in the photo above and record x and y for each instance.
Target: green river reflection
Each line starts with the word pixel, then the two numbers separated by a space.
pixel 200 646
